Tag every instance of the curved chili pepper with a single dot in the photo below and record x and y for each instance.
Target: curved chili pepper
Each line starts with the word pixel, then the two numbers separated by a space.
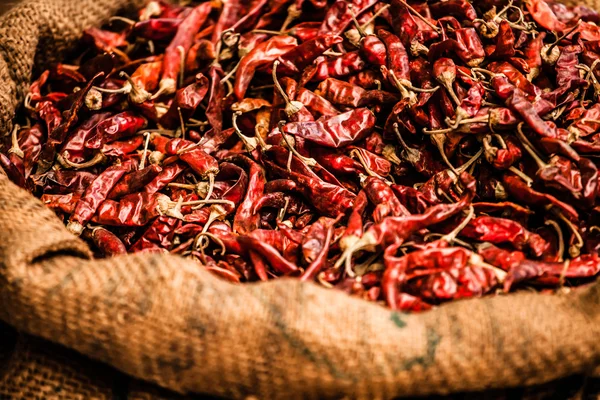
pixel 500 230
pixel 107 242
pixel 134 182
pixel 181 43
pixel 337 131
pixel 185 102
pixel 114 128
pixel 94 195
pixel 263 54
pixel 157 28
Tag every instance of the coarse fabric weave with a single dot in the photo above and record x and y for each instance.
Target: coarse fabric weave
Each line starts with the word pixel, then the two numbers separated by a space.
pixel 165 320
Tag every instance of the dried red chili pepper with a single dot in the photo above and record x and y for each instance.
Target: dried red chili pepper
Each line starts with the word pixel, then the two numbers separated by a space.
pixel 179 46
pixel 338 131
pixel 107 242
pixel 94 195
pixel 263 54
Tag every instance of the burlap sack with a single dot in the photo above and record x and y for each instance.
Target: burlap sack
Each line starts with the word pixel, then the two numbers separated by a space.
pixel 165 320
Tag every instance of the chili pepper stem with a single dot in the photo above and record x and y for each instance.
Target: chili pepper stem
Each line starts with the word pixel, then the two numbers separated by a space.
pixel 93 100
pixel 529 147
pixel 575 249
pixel 293 13
pixel 15 149
pixel 291 107
pixel 370 172
pixel 231 73
pixel 311 162
pixel 268 32
pixel 145 152
pixel 122 19
pixel 199 241
pixel 75 228
pixel 166 86
pixel 375 16
pixel 559 234
pixel 521 175
pixel 410 96
pixel 359 28
pixel 181 122
pixel 411 155
pixel 439 140
pixel 450 238
pixel 250 143
pixel 63 159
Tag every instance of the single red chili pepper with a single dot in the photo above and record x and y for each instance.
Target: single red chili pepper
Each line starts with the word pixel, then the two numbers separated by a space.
pixel 301 56
pixel 136 209
pixel 245 221
pixel 122 148
pixel 383 198
pixel 340 66
pixel 179 46
pixel 315 247
pixel 11 171
pixel 107 243
pixel 157 28
pixel 64 181
pixel 337 131
pixel 201 163
pixel 28 147
pixel 457 8
pixel 263 54
pixel 330 200
pixel 371 162
pixel 158 237
pixel 586 266
pixel 505 41
pixel 500 230
pixel 134 182
pixel 114 128
pixel 64 203
pixel 106 41
pixel 185 102
pixel 94 195
pixel 316 104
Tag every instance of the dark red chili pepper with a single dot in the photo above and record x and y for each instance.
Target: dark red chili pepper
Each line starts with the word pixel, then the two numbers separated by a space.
pixel 107 243
pixel 337 131
pixel 500 230
pixel 185 102
pixel 157 28
pixel 340 66
pixel 94 195
pixel 383 198
pixel 136 209
pixel 301 56
pixel 315 103
pixel 457 8
pixel 263 54
pixel 181 43
pixel 114 128
pixel 64 203
pixel 134 182
pixel 11 171
pixel 328 199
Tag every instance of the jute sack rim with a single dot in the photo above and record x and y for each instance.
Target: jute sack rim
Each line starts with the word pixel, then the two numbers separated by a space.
pixel 165 319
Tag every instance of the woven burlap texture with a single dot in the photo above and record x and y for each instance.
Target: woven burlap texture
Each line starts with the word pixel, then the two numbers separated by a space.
pixel 165 320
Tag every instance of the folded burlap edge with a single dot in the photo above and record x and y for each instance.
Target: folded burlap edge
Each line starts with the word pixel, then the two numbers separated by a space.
pixel 166 320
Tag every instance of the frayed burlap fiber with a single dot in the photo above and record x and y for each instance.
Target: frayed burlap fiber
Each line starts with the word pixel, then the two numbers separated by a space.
pixel 165 320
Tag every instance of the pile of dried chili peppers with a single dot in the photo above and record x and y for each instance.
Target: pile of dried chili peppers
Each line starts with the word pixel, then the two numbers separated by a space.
pixel 407 153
